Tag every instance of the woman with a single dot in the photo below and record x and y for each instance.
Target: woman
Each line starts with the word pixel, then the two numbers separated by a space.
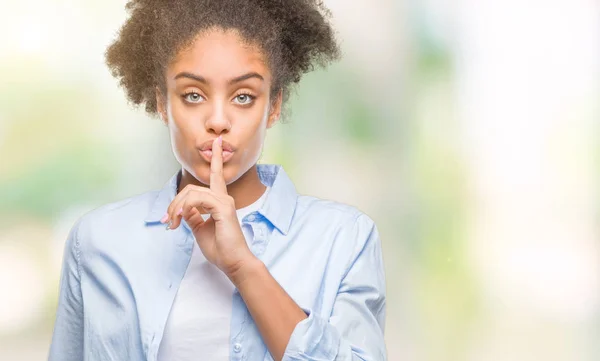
pixel 246 268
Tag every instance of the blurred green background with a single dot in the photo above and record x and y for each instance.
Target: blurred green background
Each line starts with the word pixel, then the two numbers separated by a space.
pixel 467 130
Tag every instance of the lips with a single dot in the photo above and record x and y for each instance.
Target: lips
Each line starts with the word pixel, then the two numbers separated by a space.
pixel 205 150
pixel 207 155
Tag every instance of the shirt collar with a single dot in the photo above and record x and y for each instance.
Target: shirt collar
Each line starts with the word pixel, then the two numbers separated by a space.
pixel 278 208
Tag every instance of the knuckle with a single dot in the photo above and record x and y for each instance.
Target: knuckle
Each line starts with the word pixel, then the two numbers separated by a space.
pixel 190 188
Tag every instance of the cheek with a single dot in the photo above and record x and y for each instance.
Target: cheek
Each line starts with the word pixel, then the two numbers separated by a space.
pixel 182 133
pixel 254 142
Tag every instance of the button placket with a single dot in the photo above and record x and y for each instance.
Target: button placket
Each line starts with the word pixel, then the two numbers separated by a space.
pixel 259 240
pixel 237 347
pixel 239 324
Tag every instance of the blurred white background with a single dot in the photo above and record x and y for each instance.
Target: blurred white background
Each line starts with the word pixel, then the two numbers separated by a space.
pixel 467 130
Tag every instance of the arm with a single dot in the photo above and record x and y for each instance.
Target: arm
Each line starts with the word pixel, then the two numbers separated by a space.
pixel 355 329
pixel 273 310
pixel 67 338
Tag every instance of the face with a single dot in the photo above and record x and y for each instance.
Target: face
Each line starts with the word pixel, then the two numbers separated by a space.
pixel 218 86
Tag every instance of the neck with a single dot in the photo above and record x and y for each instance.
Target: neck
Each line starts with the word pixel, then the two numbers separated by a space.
pixel 246 190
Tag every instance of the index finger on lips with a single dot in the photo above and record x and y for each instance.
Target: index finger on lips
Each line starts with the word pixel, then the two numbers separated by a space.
pixel 217 180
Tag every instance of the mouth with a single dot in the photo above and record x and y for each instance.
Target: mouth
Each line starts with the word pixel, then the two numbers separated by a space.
pixel 205 150
pixel 207 155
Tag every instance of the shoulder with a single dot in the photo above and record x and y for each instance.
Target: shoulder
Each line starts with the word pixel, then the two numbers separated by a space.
pixel 348 220
pixel 350 233
pixel 332 210
pixel 117 214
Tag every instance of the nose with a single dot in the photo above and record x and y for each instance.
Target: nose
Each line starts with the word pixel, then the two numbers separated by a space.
pixel 218 121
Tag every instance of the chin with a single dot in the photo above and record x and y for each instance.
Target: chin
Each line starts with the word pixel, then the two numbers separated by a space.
pixel 202 173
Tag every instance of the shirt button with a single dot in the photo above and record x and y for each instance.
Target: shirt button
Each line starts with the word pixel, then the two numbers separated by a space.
pixel 251 218
pixel 237 347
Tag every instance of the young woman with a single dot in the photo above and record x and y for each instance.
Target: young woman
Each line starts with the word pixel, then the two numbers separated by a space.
pixel 246 269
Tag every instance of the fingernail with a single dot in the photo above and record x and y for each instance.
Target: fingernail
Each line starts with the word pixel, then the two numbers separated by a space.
pixel 169 225
pixel 164 218
pixel 220 140
pixel 180 211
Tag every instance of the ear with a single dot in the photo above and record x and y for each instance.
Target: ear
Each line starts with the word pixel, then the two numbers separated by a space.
pixel 160 106
pixel 275 111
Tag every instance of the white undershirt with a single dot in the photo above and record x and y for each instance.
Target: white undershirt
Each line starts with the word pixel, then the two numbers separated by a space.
pixel 198 326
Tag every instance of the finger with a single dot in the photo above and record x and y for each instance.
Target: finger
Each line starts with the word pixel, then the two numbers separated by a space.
pixel 172 211
pixel 193 218
pixel 217 180
pixel 195 198
pixel 176 210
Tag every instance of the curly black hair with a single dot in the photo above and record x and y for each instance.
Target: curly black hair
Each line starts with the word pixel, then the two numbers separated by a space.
pixel 295 35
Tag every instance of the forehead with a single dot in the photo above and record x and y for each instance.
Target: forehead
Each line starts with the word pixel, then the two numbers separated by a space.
pixel 218 54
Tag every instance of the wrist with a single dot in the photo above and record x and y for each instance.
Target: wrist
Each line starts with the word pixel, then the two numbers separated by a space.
pixel 245 270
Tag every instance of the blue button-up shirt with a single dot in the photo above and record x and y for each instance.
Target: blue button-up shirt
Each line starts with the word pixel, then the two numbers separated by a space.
pixel 122 268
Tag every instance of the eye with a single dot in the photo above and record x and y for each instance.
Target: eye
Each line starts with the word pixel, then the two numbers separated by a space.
pixel 244 99
pixel 193 97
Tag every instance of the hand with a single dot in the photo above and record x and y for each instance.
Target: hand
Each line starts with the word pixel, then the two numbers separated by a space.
pixel 220 237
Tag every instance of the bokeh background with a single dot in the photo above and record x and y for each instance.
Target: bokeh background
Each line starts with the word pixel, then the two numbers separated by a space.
pixel 468 130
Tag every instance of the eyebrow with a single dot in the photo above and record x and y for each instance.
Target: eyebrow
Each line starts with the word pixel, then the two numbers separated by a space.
pixel 202 79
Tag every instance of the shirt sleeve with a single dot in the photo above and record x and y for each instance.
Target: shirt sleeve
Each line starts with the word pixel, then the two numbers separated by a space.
pixel 67 338
pixel 355 330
